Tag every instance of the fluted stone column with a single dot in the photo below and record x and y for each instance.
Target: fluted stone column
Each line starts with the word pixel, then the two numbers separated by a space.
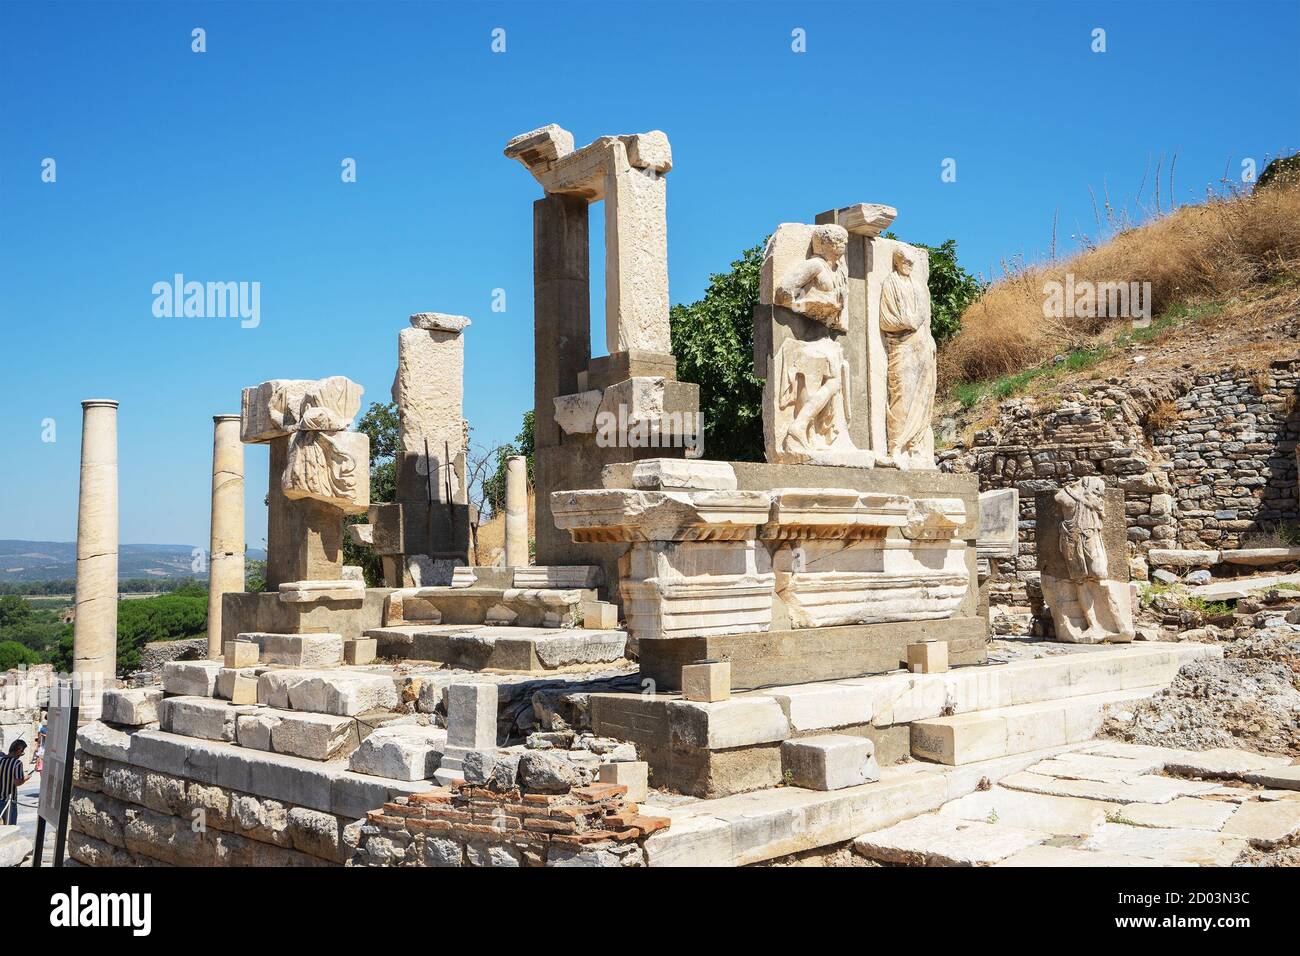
pixel 226 554
pixel 516 512
pixel 94 640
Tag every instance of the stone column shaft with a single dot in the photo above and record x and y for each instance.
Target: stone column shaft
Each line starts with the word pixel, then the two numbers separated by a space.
pixel 226 551
pixel 516 512
pixel 94 641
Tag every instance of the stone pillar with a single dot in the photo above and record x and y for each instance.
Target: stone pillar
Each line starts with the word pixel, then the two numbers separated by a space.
pixel 636 255
pixel 94 641
pixel 516 512
pixel 226 551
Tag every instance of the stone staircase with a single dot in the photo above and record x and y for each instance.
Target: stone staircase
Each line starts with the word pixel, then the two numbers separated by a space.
pixel 528 619
pixel 974 713
pixel 298 700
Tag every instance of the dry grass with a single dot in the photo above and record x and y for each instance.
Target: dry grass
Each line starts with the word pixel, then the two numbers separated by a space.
pixel 1223 247
pixel 1163 416
pixel 492 534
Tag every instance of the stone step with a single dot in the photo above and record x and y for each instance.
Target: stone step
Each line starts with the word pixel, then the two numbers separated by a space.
pixel 987 734
pixel 340 692
pixel 522 607
pixel 752 827
pixel 479 646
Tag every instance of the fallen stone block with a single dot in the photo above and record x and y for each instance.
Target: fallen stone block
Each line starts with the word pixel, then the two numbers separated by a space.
pixel 829 762
pixel 338 692
pixel 633 774
pixel 707 682
pixel 203 717
pixel 738 722
pixel 600 615
pixel 927 657
pixel 241 653
pixel 360 651
pixel 134 707
pixel 1265 825
pixel 298 650
pixel 400 752
pixel 190 678
pixel 314 736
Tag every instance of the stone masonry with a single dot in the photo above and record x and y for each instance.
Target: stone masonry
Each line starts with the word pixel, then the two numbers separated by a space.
pixel 1204 462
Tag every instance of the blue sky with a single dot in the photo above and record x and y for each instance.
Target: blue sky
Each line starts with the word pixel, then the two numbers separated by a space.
pixel 225 165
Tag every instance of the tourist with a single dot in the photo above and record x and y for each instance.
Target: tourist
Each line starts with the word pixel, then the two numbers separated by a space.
pixel 11 778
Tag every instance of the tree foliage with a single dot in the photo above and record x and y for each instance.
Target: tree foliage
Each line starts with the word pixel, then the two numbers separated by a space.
pixel 141 621
pixel 382 424
pixel 494 485
pixel 713 340
pixel 13 654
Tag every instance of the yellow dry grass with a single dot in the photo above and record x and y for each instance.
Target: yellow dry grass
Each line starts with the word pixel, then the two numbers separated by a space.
pixel 492 534
pixel 1216 249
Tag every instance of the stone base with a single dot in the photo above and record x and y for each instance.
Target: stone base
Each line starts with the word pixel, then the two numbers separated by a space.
pixel 480 646
pixel 264 612
pixel 812 654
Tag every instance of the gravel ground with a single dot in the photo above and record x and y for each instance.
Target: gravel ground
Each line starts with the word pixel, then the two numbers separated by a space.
pixel 1250 699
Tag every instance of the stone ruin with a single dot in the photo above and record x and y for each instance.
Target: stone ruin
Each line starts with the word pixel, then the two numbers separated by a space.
pixel 787 629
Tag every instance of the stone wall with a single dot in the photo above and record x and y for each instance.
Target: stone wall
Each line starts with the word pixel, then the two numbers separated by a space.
pixel 124 815
pixel 1203 460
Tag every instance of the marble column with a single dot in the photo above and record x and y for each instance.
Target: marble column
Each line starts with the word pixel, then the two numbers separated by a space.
pixel 226 551
pixel 94 641
pixel 516 512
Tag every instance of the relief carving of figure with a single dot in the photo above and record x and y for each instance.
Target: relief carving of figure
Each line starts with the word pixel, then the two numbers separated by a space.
pixel 1082 507
pixel 911 377
pixel 812 401
pixel 317 465
pixel 818 287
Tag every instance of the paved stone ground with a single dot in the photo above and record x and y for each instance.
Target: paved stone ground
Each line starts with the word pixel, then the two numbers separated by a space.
pixel 1112 804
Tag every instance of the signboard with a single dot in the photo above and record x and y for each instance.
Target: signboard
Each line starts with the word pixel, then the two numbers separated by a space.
pixel 56 777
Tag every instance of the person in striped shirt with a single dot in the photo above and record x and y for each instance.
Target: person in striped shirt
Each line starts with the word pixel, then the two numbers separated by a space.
pixel 11 778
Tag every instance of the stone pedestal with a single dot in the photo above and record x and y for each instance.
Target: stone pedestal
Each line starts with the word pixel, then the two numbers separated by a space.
pixel 226 551
pixel 304 539
pixel 516 512
pixel 94 641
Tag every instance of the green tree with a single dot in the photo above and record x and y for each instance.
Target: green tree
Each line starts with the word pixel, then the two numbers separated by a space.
pixel 382 423
pixel 167 617
pixel 494 485
pixel 13 654
pixel 713 340
pixel 14 611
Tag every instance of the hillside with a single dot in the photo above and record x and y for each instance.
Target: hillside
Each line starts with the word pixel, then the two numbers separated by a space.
pixel 57 560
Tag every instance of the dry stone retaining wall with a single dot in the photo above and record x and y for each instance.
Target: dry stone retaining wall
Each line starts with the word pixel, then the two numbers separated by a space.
pixel 1215 462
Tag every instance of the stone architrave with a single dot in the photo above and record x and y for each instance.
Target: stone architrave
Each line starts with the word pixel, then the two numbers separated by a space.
pixel 226 550
pixel 429 392
pixel 94 640
pixel 516 511
pixel 627 173
pixel 1083 562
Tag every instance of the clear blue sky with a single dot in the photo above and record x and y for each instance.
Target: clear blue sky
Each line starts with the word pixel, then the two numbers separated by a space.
pixel 226 166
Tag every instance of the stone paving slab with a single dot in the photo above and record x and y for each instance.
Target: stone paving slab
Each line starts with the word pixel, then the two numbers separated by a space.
pixel 1058 856
pixel 1279 778
pixel 1147 789
pixel 1182 813
pixel 934 841
pixel 1222 762
pixel 1266 825
pixel 1076 766
pixel 1030 811
pixel 1198 847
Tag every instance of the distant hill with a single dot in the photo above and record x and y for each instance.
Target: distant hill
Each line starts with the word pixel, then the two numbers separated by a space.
pixel 57 560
